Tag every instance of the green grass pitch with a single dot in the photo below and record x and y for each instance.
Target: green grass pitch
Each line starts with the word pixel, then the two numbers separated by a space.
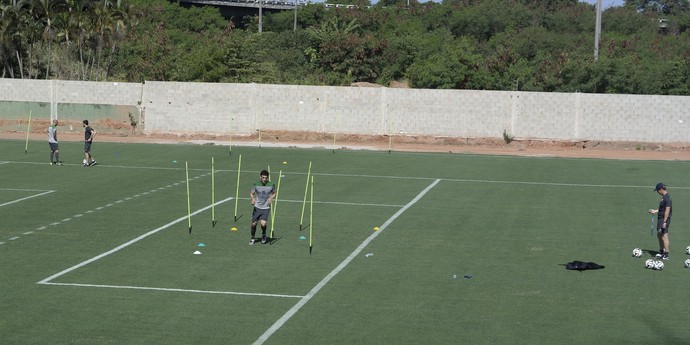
pixel 102 255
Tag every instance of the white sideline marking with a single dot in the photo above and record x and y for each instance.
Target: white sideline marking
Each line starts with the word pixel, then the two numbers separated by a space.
pixel 1 243
pixel 278 324
pixel 335 203
pixel 122 246
pixel 28 233
pixel 79 215
pixel 14 238
pixel 25 190
pixel 28 197
pixel 41 228
pixel 174 290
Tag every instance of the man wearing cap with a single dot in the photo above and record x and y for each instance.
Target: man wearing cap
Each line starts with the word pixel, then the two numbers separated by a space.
pixel 663 219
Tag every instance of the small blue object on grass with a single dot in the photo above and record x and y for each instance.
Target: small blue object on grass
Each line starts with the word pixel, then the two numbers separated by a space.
pixel 201 245
pixel 302 238
pixel 174 161
pixel 468 276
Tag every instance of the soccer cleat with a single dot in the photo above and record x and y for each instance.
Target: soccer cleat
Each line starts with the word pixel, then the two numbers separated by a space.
pixel 263 240
pixel 664 257
pixel 59 163
pixel 660 254
pixel 92 163
pixel 251 242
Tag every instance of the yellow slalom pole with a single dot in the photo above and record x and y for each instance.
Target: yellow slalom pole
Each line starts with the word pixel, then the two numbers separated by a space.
pixel 334 131
pixel 213 193
pixel 189 207
pixel 390 134
pixel 311 214
pixel 275 203
pixel 258 127
pixel 230 134
pixel 237 191
pixel 304 203
pixel 28 130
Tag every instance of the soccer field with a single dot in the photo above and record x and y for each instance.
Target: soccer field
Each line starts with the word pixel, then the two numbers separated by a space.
pixel 470 248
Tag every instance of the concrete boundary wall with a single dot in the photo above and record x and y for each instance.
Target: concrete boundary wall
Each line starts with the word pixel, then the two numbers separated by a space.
pixel 213 108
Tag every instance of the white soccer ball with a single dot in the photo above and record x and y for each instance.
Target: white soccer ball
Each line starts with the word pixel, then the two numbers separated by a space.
pixel 83 161
pixel 687 250
pixel 659 265
pixel 687 263
pixel 637 252
pixel 649 263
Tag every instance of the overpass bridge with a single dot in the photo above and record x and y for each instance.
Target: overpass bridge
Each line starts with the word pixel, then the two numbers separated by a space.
pixel 250 4
pixel 240 8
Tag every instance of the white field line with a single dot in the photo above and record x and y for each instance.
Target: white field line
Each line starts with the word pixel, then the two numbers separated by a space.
pixel 173 290
pixel 76 216
pixel 535 183
pixel 336 203
pixel 25 190
pixel 278 324
pixel 28 197
pixel 126 244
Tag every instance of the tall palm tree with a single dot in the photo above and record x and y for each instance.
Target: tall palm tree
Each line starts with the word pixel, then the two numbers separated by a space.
pixel 6 32
pixel 126 16
pixel 45 12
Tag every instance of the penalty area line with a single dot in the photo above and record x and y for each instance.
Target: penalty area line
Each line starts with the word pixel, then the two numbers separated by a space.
pixel 174 290
pixel 124 245
pixel 288 315
pixel 26 198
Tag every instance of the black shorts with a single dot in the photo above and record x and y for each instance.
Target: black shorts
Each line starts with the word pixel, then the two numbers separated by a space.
pixel 87 146
pixel 661 230
pixel 53 146
pixel 260 214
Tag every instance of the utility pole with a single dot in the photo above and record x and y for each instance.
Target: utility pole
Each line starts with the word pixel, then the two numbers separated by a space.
pixel 597 32
pixel 295 26
pixel 261 13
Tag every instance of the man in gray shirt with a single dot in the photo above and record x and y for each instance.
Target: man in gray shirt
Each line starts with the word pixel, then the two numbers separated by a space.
pixel 52 141
pixel 262 195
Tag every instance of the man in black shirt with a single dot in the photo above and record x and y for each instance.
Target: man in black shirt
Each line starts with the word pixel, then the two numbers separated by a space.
pixel 663 219
pixel 89 134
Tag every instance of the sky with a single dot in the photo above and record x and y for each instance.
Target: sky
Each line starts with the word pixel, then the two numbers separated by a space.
pixel 606 3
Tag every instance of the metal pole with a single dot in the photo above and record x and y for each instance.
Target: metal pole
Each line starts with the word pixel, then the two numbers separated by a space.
pixel 597 32
pixel 261 12
pixel 295 26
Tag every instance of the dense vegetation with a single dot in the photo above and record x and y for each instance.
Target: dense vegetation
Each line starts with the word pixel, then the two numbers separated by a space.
pixel 534 45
